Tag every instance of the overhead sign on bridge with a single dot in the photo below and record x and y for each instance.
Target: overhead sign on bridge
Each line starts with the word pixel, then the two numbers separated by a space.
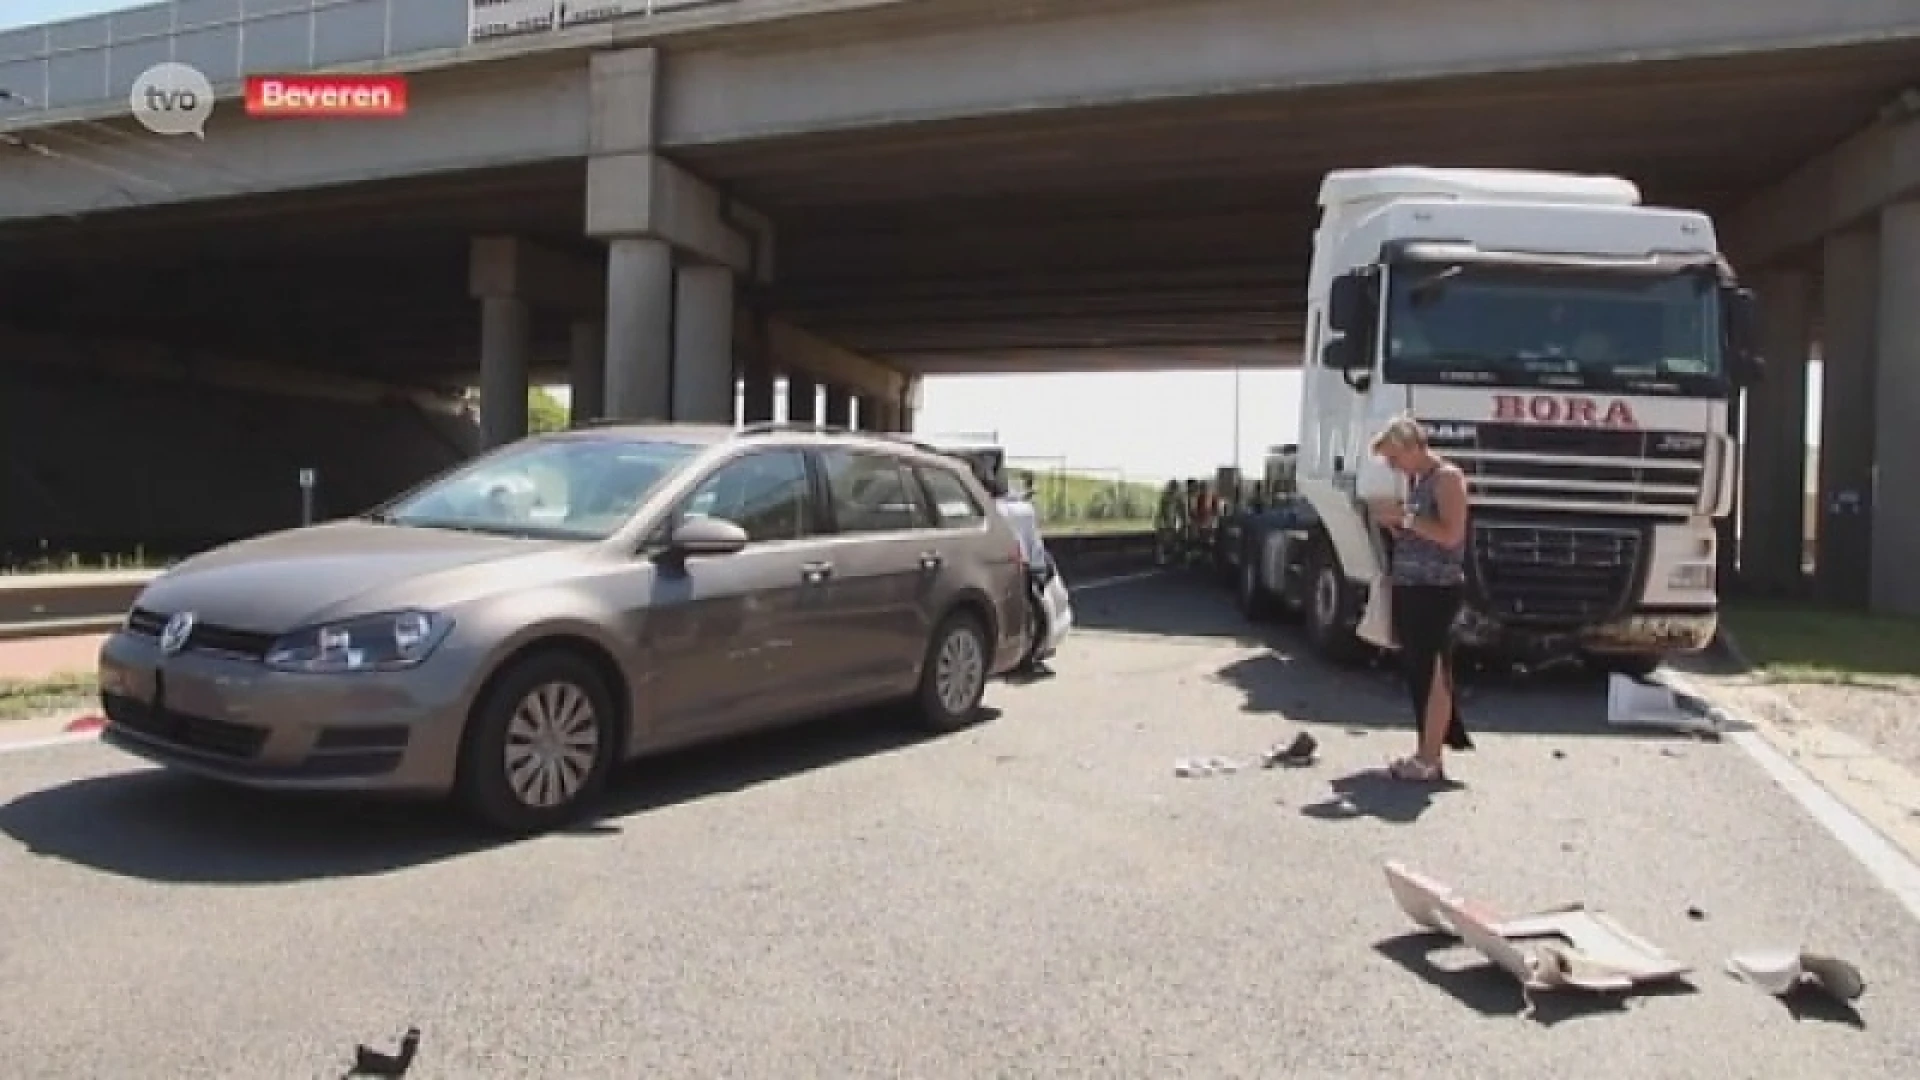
pixel 502 18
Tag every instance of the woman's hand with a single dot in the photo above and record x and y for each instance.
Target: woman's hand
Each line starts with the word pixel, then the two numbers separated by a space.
pixel 1391 517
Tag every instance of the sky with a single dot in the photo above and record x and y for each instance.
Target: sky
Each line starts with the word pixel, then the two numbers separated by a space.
pixel 1149 425
pixel 14 13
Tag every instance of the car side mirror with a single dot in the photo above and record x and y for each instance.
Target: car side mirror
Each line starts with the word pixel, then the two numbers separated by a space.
pixel 1741 336
pixel 703 537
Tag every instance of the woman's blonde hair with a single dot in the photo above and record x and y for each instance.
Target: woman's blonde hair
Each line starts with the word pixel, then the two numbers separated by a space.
pixel 1402 431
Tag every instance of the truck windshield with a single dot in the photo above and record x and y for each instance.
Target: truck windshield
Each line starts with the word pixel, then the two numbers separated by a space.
pixel 1653 333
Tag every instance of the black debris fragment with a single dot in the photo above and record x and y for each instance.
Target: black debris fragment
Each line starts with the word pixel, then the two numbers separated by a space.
pixel 1302 751
pixel 370 1062
pixel 1696 914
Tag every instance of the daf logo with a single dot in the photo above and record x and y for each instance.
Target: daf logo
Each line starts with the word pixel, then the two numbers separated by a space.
pixel 174 635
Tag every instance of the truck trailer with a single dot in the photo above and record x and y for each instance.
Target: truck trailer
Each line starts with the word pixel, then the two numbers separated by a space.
pixel 1573 352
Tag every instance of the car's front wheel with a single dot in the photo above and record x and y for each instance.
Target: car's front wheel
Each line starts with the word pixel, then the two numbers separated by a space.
pixel 540 745
pixel 954 677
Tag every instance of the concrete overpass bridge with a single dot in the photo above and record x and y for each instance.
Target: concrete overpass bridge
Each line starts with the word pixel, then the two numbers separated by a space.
pixel 655 203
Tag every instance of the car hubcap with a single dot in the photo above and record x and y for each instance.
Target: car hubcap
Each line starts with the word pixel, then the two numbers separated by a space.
pixel 958 671
pixel 552 742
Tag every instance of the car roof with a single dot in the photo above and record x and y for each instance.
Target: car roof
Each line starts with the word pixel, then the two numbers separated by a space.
pixel 713 435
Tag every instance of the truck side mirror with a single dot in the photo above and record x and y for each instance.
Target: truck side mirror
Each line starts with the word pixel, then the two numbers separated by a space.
pixel 1347 304
pixel 1741 336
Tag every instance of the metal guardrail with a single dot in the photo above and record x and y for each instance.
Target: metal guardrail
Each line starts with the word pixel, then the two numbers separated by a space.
pixel 49 605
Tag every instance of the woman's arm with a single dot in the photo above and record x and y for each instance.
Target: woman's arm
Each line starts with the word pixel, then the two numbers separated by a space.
pixel 1449 530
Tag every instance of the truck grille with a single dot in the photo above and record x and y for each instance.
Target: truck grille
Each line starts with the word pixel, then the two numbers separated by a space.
pixel 1547 574
pixel 1601 470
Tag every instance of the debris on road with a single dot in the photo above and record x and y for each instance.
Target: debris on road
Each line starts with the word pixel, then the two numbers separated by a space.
pixel 1696 914
pixel 1304 750
pixel 1210 766
pixel 1781 971
pixel 370 1062
pixel 1564 948
pixel 1634 702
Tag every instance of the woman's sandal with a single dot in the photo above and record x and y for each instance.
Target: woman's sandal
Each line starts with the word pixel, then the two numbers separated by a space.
pixel 1411 768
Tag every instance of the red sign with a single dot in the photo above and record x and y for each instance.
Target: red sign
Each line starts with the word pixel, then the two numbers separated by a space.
pixel 326 95
pixel 1563 410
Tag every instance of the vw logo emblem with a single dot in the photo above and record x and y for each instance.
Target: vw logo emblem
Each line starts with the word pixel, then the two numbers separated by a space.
pixel 173 636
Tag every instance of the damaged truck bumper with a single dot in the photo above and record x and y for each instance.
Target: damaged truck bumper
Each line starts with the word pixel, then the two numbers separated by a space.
pixel 1642 633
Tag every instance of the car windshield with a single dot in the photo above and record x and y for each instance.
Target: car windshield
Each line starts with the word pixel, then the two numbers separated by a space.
pixel 566 489
pixel 1598 330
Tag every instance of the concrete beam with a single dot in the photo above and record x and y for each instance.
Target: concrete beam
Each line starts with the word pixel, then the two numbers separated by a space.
pixel 474 118
pixel 794 349
pixel 644 194
pixel 112 359
pixel 1037 58
pixel 1835 191
pixel 547 280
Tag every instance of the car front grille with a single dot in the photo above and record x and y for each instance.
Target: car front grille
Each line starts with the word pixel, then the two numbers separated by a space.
pixel 1546 574
pixel 226 641
pixel 221 738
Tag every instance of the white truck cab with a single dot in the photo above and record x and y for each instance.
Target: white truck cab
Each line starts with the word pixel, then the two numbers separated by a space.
pixel 1573 352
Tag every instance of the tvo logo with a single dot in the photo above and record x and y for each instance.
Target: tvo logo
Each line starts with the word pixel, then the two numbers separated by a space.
pixel 172 99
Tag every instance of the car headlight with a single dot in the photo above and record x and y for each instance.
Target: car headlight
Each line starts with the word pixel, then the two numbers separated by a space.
pixel 370 643
pixel 1691 577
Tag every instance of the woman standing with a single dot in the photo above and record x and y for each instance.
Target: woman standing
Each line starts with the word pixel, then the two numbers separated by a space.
pixel 1427 574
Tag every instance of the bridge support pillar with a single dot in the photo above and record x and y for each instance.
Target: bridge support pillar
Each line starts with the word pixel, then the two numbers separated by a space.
pixel 1896 401
pixel 496 279
pixel 640 288
pixel 867 412
pixel 1774 481
pixel 1850 299
pixel 838 410
pixel 756 373
pixel 703 345
pixel 587 372
pixel 801 398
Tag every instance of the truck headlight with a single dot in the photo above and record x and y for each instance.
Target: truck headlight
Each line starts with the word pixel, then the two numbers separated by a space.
pixel 1691 577
pixel 387 642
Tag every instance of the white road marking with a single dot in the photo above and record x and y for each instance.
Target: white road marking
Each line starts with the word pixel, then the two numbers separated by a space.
pixel 49 743
pixel 1891 866
pixel 1122 579
pixel 1887 863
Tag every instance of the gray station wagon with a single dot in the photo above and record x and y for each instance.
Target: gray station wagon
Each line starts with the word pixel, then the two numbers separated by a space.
pixel 513 629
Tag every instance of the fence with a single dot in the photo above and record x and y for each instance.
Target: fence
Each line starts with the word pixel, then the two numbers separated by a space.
pixel 1069 495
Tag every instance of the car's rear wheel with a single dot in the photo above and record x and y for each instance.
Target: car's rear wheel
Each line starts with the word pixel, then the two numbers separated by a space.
pixel 954 677
pixel 540 746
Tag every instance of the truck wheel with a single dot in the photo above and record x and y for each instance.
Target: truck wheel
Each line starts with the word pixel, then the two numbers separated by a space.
pixel 1333 607
pixel 1255 602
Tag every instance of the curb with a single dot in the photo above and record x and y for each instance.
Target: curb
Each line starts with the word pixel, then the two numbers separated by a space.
pixel 1862 782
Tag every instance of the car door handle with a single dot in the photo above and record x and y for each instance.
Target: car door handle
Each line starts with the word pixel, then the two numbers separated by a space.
pixel 815 572
pixel 931 560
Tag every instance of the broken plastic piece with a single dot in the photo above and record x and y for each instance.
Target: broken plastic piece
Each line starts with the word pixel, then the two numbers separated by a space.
pixel 1564 948
pixel 1208 766
pixel 1635 703
pixel 1781 971
pixel 370 1062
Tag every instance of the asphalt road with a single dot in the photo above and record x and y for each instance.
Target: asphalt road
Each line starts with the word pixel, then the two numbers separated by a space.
pixel 1036 896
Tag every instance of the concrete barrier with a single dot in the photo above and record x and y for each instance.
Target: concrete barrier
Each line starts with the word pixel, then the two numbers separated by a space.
pixel 81 602
pixel 39 605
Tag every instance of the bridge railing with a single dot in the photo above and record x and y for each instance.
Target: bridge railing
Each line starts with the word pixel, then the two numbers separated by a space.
pixel 92 62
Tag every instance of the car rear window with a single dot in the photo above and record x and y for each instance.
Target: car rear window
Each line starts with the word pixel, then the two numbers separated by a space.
pixel 953 502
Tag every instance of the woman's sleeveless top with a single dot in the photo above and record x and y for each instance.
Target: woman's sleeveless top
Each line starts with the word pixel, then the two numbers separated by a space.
pixel 1416 559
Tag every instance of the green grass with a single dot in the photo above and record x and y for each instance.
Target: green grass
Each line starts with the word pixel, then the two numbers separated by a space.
pixel 1808 644
pixel 40 697
pixel 1096 528
pixel 1065 500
